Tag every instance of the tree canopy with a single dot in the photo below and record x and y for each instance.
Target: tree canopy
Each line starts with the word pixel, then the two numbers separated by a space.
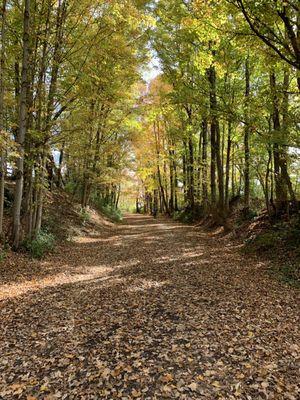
pixel 220 120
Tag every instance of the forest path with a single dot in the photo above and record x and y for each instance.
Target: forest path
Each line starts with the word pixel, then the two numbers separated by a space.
pixel 151 309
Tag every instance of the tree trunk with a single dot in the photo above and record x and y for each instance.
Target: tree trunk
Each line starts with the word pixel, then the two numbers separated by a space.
pixel 21 134
pixel 216 159
pixel 280 189
pixel 60 181
pixel 172 185
pixel 227 174
pixel 199 166
pixel 2 150
pixel 191 188
pixel 246 139
pixel 213 187
pixel 184 173
pixel 204 162
pixel 164 203
pixel 283 158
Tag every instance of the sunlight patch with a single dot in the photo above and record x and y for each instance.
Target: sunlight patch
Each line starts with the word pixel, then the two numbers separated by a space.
pixel 145 284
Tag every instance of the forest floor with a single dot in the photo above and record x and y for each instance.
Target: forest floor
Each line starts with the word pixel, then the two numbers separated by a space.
pixel 150 309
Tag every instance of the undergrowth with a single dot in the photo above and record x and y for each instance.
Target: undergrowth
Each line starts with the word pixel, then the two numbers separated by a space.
pixel 3 255
pixel 281 244
pixel 109 211
pixel 85 216
pixel 188 215
pixel 42 244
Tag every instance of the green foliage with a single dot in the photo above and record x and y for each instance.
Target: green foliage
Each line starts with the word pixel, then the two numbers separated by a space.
pixel 263 242
pixel 281 239
pixel 85 216
pixel 70 187
pixel 288 272
pixel 187 215
pixel 41 245
pixel 283 234
pixel 3 255
pixel 110 211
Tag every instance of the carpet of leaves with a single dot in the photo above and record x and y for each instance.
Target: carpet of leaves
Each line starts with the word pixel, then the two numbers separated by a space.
pixel 151 309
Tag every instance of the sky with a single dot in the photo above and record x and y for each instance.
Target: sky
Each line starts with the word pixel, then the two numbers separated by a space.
pixel 152 69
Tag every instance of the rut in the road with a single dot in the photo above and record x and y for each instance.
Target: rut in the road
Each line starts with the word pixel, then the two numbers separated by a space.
pixel 150 310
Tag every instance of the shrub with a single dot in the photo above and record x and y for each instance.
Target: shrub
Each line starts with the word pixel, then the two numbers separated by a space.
pixel 110 211
pixel 85 216
pixel 263 242
pixel 189 215
pixel 280 243
pixel 3 255
pixel 41 245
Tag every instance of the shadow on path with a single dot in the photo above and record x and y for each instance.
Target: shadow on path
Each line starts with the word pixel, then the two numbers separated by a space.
pixel 152 309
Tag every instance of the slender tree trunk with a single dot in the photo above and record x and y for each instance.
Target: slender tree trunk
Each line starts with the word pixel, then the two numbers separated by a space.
pixel 191 188
pixel 267 190
pixel 233 171
pixel 57 53
pixel 60 180
pixel 20 139
pixel 204 162
pixel 2 151
pixel 118 196
pixel 213 133
pixel 40 195
pixel 172 186
pixel 216 158
pixel 220 177
pixel 199 166
pixel 184 173
pixel 164 202
pixel 280 189
pixel 283 158
pixel 246 138
pixel 227 174
pixel 175 184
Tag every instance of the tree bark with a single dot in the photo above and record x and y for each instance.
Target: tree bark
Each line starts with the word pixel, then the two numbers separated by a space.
pixel 21 134
pixel 216 159
pixel 246 138
pixel 204 163
pixel 280 189
pixel 2 150
pixel 228 156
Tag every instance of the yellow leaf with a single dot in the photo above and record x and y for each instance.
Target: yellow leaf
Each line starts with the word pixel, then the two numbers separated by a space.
pixel 193 386
pixel 136 393
pixel 167 378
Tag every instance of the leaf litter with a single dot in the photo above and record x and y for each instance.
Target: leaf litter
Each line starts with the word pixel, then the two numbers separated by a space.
pixel 151 309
